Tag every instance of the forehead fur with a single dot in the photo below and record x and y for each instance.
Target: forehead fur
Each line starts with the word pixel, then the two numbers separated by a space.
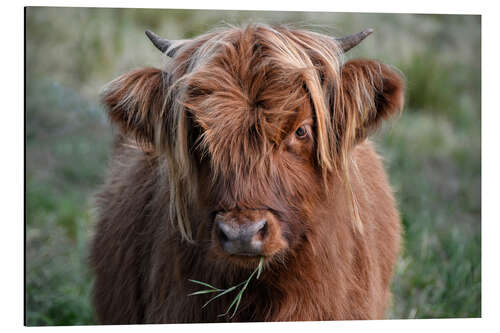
pixel 245 87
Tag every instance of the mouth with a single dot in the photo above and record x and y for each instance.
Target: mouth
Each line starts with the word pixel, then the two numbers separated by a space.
pixel 247 254
pixel 244 260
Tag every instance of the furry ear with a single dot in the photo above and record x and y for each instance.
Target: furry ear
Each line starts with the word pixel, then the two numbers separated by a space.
pixel 369 92
pixel 135 102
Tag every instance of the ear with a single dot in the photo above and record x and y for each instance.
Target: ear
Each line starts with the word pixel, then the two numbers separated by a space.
pixel 370 92
pixel 135 102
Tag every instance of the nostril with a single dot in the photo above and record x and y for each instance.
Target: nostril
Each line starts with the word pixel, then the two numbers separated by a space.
pixel 220 233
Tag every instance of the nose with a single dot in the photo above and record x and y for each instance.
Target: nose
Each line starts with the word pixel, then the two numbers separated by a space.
pixel 242 239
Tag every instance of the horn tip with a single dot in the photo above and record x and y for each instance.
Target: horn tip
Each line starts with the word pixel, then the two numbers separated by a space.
pixel 149 33
pixel 160 43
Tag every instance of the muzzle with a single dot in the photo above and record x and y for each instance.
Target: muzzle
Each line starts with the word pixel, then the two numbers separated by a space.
pixel 248 233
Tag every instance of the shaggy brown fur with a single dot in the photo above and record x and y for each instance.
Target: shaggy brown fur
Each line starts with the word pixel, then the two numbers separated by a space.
pixel 215 137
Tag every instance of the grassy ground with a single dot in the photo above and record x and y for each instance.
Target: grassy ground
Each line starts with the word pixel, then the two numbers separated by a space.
pixel 432 152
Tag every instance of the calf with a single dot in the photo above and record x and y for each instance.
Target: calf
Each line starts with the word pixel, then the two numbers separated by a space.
pixel 251 143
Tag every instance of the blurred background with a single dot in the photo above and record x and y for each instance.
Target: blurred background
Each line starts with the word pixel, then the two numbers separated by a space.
pixel 432 151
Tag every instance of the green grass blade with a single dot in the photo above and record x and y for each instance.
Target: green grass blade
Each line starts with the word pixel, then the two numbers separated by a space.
pixel 232 304
pixel 204 284
pixel 248 281
pixel 259 268
pixel 222 293
pixel 237 303
pixel 237 300
pixel 207 291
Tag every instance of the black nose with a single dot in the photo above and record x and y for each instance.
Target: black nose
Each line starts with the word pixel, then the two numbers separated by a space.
pixel 243 239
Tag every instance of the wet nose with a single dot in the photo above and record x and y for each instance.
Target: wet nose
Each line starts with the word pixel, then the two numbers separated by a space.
pixel 242 239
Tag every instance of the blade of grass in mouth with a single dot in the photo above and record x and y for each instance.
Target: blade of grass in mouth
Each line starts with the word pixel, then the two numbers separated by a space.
pixel 236 301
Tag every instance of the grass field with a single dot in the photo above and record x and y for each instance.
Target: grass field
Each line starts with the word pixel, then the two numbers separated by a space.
pixel 432 151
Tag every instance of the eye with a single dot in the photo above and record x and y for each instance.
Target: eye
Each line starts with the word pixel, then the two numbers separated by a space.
pixel 301 132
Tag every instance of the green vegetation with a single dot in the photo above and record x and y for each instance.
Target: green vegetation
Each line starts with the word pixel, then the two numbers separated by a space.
pixel 432 151
pixel 237 299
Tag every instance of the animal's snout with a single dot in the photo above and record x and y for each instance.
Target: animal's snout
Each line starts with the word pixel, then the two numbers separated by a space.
pixel 248 233
pixel 243 239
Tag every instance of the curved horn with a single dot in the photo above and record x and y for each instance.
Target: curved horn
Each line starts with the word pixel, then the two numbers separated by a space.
pixel 160 43
pixel 348 42
pixel 164 45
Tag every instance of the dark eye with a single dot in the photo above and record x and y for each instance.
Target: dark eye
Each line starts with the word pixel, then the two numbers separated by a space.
pixel 301 132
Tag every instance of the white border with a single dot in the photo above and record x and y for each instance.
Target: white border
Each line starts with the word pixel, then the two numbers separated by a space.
pixel 12 176
pixel 421 6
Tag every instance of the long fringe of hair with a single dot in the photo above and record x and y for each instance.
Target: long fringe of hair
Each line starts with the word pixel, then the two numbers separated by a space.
pixel 318 60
